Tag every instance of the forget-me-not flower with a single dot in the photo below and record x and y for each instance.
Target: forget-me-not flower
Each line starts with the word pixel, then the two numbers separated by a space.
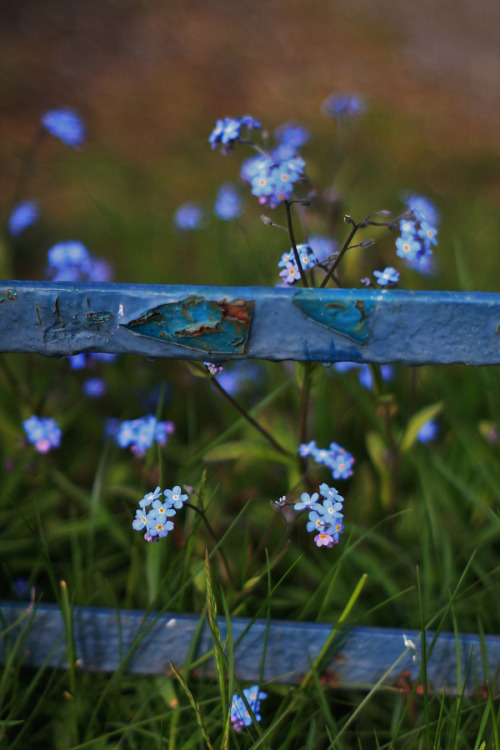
pixel 66 124
pixel 22 216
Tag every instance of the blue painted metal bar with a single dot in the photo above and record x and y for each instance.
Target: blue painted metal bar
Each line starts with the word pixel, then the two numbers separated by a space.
pixel 223 323
pixel 146 644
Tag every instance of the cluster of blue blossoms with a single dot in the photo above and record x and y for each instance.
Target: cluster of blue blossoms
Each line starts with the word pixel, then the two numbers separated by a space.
pixel 325 516
pixel 42 432
pixel 317 250
pixel 155 521
pixel 231 130
pixel 338 460
pixel 418 235
pixel 343 106
pixel 272 175
pixel 71 261
pixel 240 715
pixel 139 434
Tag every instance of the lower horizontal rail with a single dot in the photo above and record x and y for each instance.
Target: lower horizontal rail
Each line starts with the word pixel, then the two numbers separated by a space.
pixel 222 323
pixel 147 643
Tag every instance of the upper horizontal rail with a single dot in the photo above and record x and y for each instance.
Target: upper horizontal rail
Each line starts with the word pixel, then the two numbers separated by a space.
pixel 222 323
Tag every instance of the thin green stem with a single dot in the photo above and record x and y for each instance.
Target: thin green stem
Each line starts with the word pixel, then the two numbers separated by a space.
pixel 248 417
pixel 339 257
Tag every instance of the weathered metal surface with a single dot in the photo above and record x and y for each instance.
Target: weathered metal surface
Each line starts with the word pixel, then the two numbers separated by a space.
pixel 147 644
pixel 351 317
pixel 222 323
pixel 221 326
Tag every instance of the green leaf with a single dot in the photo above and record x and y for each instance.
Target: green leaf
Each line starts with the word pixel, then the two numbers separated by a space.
pixel 415 423
pixel 377 451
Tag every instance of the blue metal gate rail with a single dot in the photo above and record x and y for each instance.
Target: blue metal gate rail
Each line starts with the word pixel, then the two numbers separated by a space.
pixel 222 323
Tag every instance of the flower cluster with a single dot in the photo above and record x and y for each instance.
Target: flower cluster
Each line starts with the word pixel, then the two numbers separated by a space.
pixel 325 516
pixel 139 434
pixel 22 216
pixel 290 271
pixel 229 131
pixel 42 432
pixel 338 460
pixel 343 106
pixel 71 261
pixel 65 124
pixel 155 521
pixel 418 234
pixel 272 180
pixel 290 137
pixel 317 250
pixel 240 715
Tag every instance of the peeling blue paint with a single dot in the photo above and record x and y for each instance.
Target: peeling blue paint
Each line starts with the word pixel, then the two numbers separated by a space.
pixel 212 326
pixel 99 317
pixel 8 294
pixel 350 318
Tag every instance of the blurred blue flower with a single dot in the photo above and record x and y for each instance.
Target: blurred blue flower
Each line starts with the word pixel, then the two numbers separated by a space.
pixel 241 376
pixel 336 458
pixel 388 277
pixel 42 432
pixel 87 359
pixel 22 216
pixel 292 134
pixel 423 209
pixel 428 432
pixel 71 261
pixel 65 124
pixel 139 434
pixel 322 247
pixel 188 217
pixel 94 387
pixel 228 204
pixel 344 106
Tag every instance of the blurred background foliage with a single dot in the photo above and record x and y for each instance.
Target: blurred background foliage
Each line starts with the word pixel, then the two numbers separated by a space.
pixel 150 77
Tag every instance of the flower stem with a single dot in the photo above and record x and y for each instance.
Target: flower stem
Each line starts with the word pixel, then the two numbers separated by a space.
pixel 294 244
pixel 344 248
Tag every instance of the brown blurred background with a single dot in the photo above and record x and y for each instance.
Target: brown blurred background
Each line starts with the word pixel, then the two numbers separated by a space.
pixel 151 77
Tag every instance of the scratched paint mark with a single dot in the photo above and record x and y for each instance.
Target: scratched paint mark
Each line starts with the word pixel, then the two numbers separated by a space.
pixel 347 317
pixel 215 326
pixel 99 317
pixel 9 294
